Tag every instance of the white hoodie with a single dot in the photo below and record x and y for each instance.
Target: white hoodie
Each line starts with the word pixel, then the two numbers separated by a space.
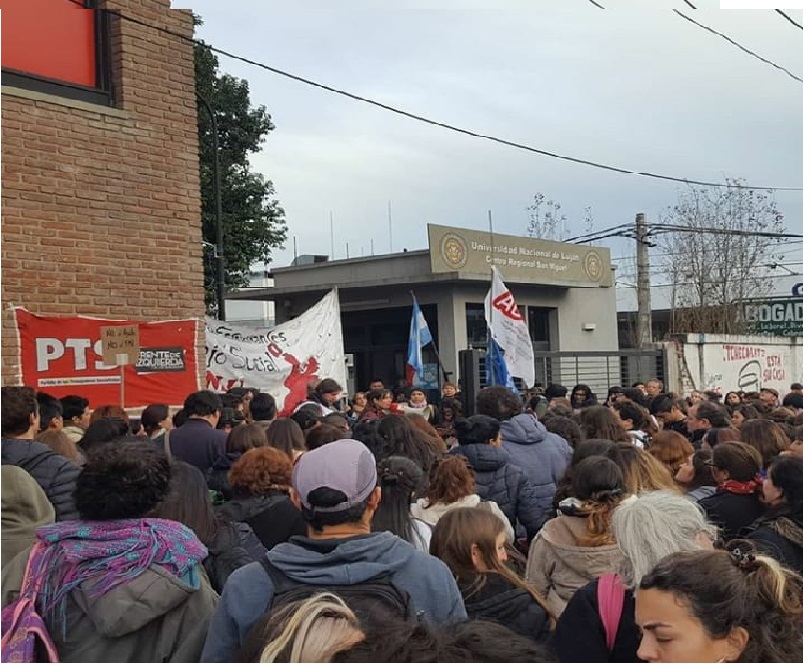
pixel 431 514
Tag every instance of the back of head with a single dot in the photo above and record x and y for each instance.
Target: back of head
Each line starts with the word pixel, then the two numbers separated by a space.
pixel 50 410
pixel 793 401
pixel 246 436
pixel 286 435
pixel 73 406
pixel 630 411
pixel 637 396
pixel 152 416
pixel 123 479
pixel 337 420
pixel 323 434
pixel 401 438
pixel 671 448
pixel 662 404
pixel 597 479
pixel 655 525
pixel 717 436
pixel 741 461
pixel 307 417
pixel 18 405
pixel 600 422
pixel 737 590
pixel 766 437
pixel 477 429
pixel 59 442
pixel 713 412
pixel 498 402
pixel 641 470
pixel 230 418
pixel 786 474
pixel 556 391
pixel 102 431
pixel 451 479
pixel 261 471
pixel 202 403
pixel 188 502
pixel 461 529
pixel 263 407
pixel 566 428
pixel 109 412
pixel 400 479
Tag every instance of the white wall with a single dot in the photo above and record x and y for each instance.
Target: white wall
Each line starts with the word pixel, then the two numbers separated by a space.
pixel 743 363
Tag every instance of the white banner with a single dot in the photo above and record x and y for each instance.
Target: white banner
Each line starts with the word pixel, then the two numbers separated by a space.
pixel 509 329
pixel 281 360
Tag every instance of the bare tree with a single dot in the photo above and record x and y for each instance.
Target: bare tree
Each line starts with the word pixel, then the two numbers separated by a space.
pixel 547 219
pixel 714 260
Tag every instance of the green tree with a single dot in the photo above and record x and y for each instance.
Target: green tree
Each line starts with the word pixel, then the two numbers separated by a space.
pixel 253 221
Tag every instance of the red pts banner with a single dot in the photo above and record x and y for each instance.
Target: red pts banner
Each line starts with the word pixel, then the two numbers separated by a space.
pixel 62 356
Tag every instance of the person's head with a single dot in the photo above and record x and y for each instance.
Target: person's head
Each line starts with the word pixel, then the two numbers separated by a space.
pixel 123 479
pixel 359 401
pixel 263 407
pixel 420 423
pixel 286 435
pixel 312 630
pixel 784 483
pixel 19 412
pixel 59 442
pixel 376 385
pixel 654 387
pixel 538 405
pixel 671 448
pixel 229 418
pixel 601 422
pixel 307 418
pixel 715 436
pixel 706 414
pixel 654 525
pixel 102 431
pixel 399 479
pixel 582 396
pixel 478 429
pixel 76 411
pixel 635 395
pixel 566 428
pixel 450 480
pixel 588 448
pixel 50 412
pixel 261 471
pixel 244 437
pixel 337 420
pixel 449 390
pixel 556 391
pixel 665 408
pixel 498 402
pixel 401 438
pixel 766 437
pixel 641 471
pixel 335 487
pixel 796 446
pixel 743 412
pixel 598 485
pixel 327 391
pixel 188 502
pixel 559 407
pixel 696 472
pixel 205 405
pixel 630 415
pixel 417 397
pixel 379 399
pixel 109 412
pixel 179 418
pixel 769 397
pixel 156 417
pixel 323 434
pixel 711 606
pixel 732 398
pixel 735 461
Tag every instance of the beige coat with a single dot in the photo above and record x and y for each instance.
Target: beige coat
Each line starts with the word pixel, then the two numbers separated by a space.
pixel 431 514
pixel 558 567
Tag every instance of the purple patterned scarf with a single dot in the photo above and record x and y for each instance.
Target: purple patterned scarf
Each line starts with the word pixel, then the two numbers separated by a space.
pixel 111 553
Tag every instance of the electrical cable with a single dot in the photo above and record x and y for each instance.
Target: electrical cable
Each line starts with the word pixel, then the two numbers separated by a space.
pixel 593 2
pixel 787 18
pixel 424 119
pixel 739 46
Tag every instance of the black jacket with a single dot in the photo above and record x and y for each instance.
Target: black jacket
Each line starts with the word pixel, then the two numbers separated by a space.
pixel 196 442
pixel 580 636
pixel 497 480
pixel 765 532
pixel 216 476
pixel 679 427
pixel 273 518
pixel 54 473
pixel 234 545
pixel 732 513
pixel 511 606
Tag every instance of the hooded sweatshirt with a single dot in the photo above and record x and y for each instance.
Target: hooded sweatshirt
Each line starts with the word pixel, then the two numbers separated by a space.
pixel 25 507
pixel 558 567
pixel 248 593
pixel 154 617
pixel 431 514
pixel 543 455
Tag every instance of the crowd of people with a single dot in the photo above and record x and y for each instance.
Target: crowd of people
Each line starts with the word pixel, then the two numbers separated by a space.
pixel 382 527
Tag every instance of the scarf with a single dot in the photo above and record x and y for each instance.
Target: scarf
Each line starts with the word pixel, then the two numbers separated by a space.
pixel 110 553
pixel 419 405
pixel 739 487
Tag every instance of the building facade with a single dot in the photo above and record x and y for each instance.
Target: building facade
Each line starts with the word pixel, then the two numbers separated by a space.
pixel 100 167
pixel 569 300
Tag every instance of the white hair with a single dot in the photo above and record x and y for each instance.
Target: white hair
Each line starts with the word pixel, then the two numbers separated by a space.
pixel 654 525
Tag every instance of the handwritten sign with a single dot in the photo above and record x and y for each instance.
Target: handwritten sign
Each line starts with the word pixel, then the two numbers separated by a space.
pixel 117 340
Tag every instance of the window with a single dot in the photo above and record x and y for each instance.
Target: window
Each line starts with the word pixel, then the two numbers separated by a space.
pixel 540 327
pixel 476 325
pixel 58 47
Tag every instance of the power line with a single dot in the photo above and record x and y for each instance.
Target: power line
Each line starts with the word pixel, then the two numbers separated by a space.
pixel 593 2
pixel 424 119
pixel 787 18
pixel 690 4
pixel 739 46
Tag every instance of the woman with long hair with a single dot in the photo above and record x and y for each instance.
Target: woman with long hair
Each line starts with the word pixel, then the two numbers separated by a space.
pixel 671 448
pixel 427 429
pixel 732 398
pixel 735 468
pixel 588 448
pixel 472 542
pixel 399 478
pixel 715 436
pixel 718 606
pixel 59 442
pixel 241 439
pixel 156 419
pixel 449 410
pixel 324 396
pixel 451 486
pixel 739 414
pixel 402 438
pixel 102 431
pixel 578 545
pixel 766 437
pixel 641 470
pixel 695 476
pixel 582 397
pixel 601 423
pixel 286 436
pixel 778 532
pixel 646 529
pixel 379 403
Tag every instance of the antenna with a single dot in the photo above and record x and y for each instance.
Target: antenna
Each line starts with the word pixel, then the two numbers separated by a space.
pixel 295 247
pixel 332 234
pixel 347 250
pixel 390 231
pixel 372 247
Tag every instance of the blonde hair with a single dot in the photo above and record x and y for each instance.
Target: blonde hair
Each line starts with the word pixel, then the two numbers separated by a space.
pixel 641 470
pixel 312 631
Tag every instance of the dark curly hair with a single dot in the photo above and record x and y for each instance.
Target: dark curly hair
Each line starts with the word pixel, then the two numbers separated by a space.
pixel 123 479
pixel 498 402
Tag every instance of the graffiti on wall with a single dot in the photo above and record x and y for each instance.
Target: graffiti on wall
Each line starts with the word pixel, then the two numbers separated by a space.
pixel 755 366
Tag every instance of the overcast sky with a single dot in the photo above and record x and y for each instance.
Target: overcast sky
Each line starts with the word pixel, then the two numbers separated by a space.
pixel 631 86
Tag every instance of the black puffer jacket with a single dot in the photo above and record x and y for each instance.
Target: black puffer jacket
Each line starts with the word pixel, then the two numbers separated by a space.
pixel 779 534
pixel 497 480
pixel 216 476
pixel 273 518
pixel 54 473
pixel 234 545
pixel 511 606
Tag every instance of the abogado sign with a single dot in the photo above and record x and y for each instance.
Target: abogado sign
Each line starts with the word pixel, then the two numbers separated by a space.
pixel 782 317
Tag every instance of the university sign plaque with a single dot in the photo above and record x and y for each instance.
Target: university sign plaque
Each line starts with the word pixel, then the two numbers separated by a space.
pixel 520 259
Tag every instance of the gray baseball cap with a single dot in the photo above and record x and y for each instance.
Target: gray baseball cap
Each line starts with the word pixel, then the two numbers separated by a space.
pixel 345 465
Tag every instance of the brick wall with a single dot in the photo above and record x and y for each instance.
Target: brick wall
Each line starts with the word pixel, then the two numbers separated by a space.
pixel 100 205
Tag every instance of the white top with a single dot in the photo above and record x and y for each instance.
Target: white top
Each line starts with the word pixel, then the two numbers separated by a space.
pixel 421 536
pixel 431 514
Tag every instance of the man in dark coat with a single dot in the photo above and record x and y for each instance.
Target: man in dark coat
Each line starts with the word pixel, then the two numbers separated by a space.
pixel 54 473
pixel 198 442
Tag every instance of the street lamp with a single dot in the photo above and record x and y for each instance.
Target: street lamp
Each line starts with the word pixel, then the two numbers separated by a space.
pixel 220 246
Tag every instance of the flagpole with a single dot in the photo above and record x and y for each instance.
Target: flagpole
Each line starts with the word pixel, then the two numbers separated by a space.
pixel 488 356
pixel 433 344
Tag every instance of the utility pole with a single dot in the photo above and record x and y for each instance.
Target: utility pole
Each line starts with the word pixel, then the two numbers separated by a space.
pixel 390 231
pixel 332 235
pixel 644 321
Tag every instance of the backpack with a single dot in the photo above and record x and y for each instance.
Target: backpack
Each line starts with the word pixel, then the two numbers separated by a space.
pixel 25 637
pixel 372 599
pixel 610 597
